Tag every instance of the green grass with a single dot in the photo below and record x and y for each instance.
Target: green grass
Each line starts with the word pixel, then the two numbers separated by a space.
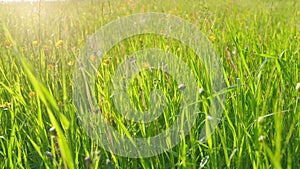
pixel 258 43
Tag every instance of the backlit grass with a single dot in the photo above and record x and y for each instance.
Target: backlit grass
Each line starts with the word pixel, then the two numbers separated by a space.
pixel 257 41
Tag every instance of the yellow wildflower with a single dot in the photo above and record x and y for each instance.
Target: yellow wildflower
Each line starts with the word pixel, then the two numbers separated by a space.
pixel 7 43
pixel 70 63
pixel 60 104
pixel 45 47
pixel 212 38
pixel 35 43
pixel 50 66
pixel 146 65
pixel 93 58
pixel 32 94
pixel 106 61
pixel 59 43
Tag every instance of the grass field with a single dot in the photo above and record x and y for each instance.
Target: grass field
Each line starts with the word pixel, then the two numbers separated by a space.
pixel 259 46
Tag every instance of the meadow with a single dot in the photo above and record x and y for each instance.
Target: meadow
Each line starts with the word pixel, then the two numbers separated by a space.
pixel 258 43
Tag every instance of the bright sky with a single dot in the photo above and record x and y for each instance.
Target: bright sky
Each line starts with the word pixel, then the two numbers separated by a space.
pixel 11 0
pixel 26 0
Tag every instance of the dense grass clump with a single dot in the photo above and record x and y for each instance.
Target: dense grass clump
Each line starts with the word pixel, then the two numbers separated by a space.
pixel 258 43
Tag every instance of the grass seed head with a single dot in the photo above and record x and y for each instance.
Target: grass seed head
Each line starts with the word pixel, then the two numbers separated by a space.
pixel 260 120
pixel 261 138
pixel 298 86
pixel 88 161
pixel 201 90
pixel 181 87
pixel 2 137
pixel 52 131
pixel 49 154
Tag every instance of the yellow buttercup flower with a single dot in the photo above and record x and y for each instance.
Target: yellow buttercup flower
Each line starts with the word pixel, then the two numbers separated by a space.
pixel 106 61
pixel 212 38
pixel 32 94
pixel 35 43
pixel 50 67
pixel 59 43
